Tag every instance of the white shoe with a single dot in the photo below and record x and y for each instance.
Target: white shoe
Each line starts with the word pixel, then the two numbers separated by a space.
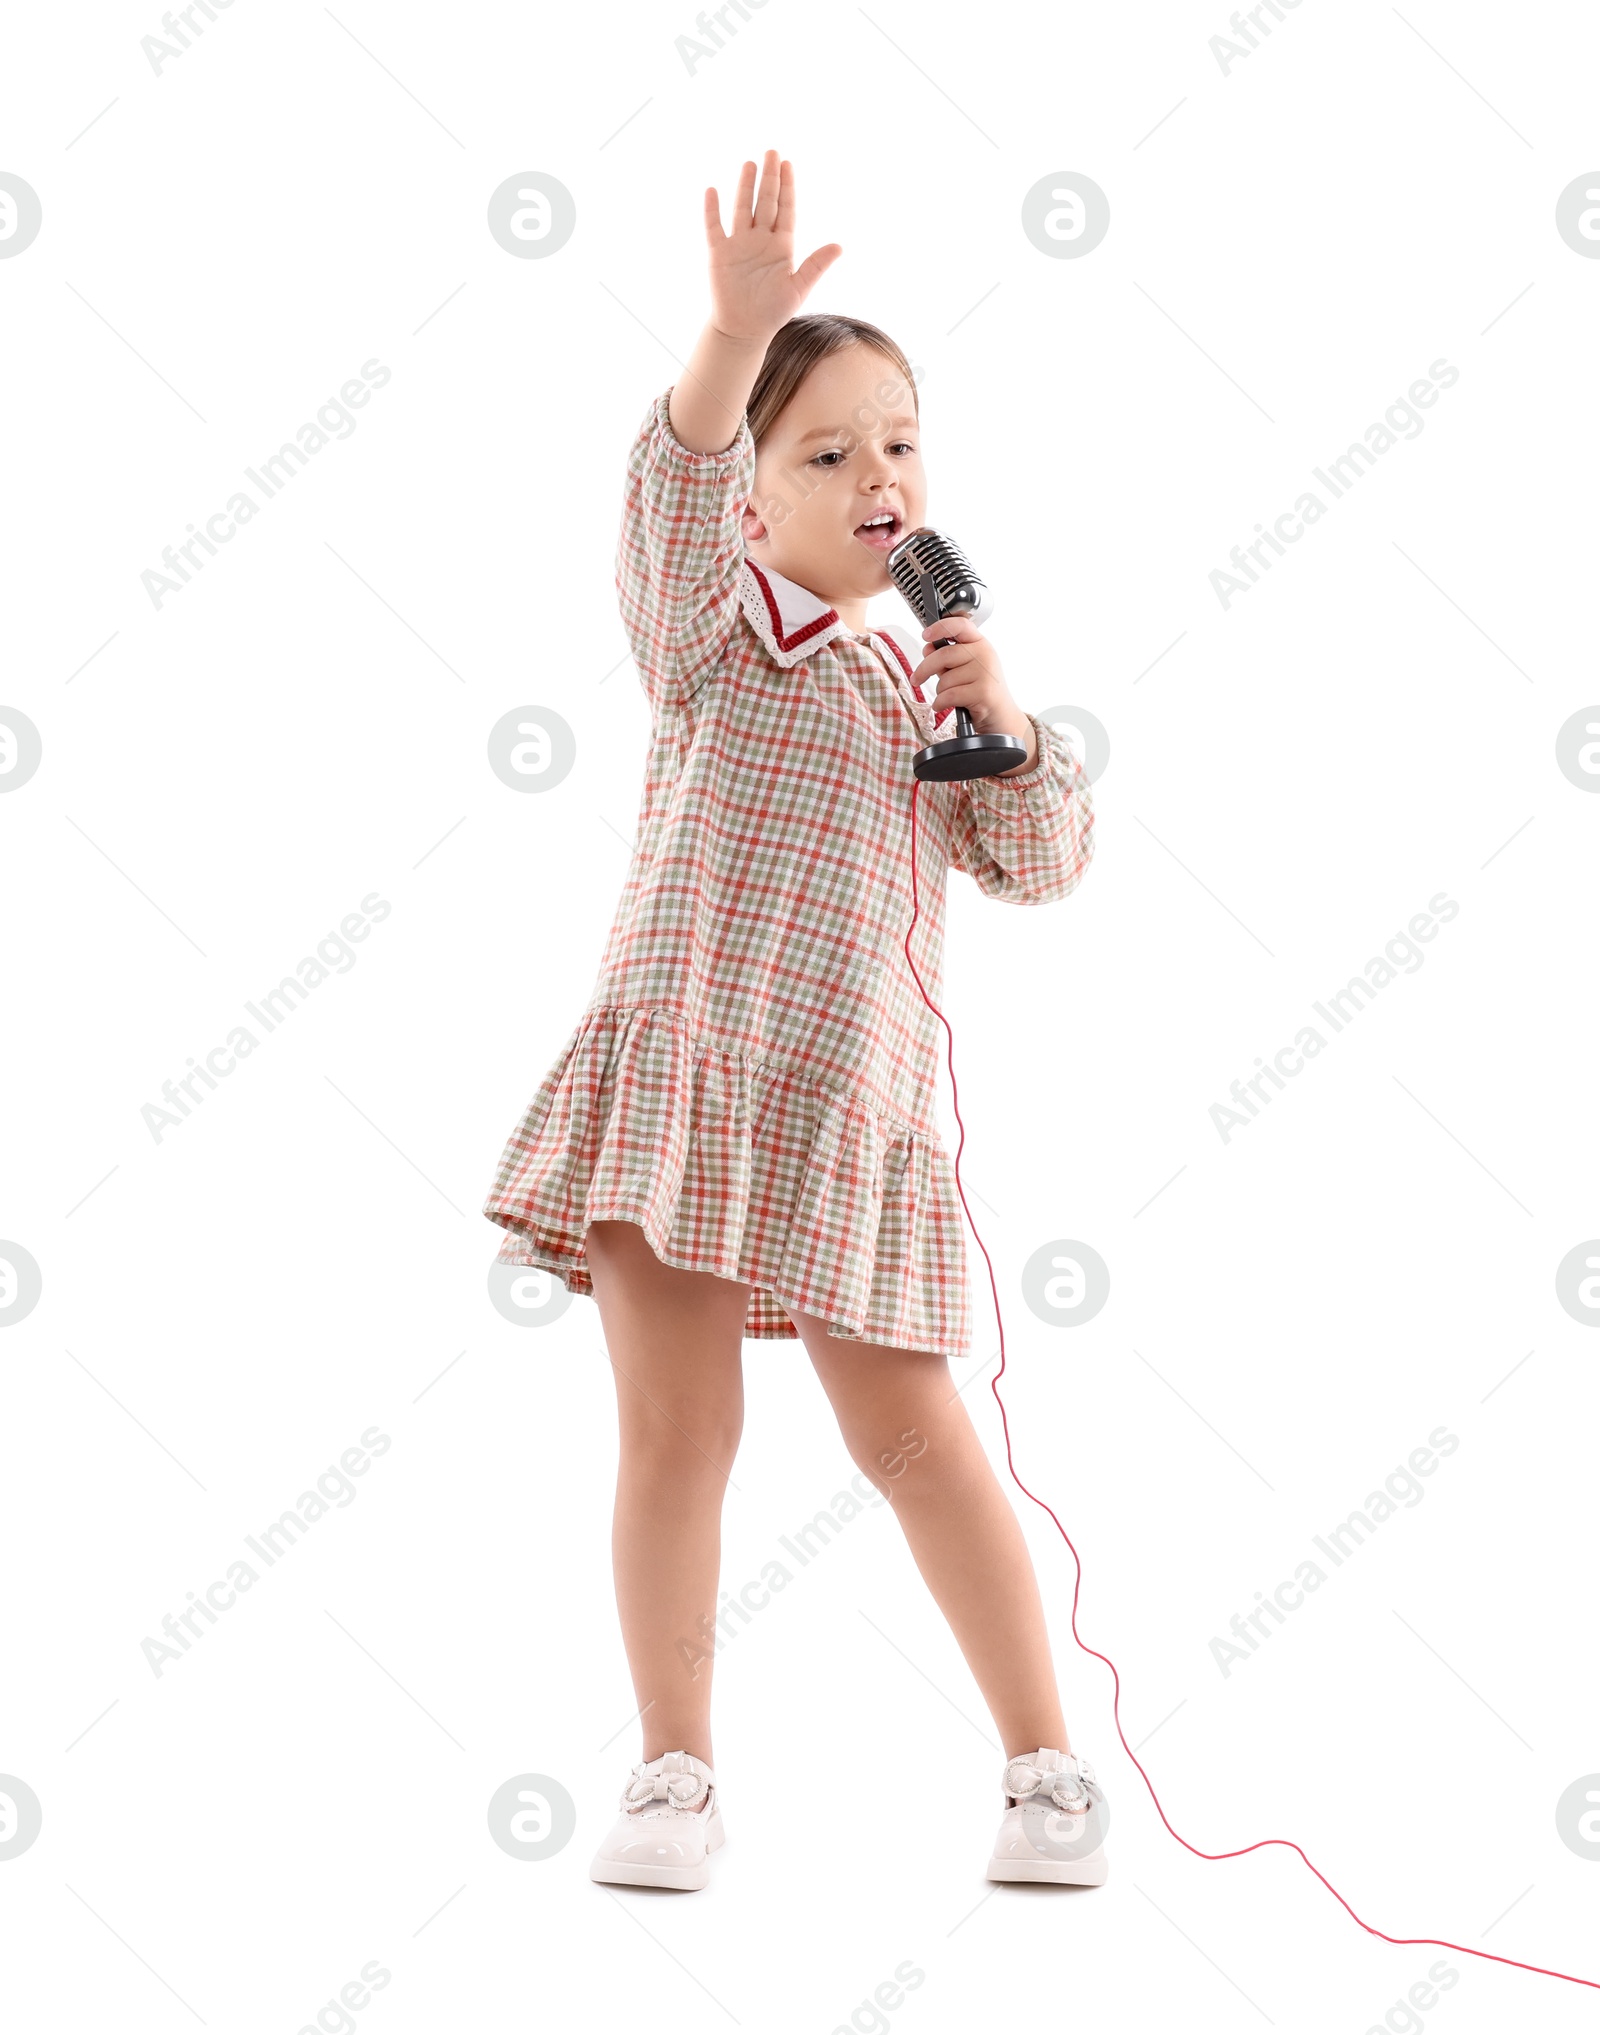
pixel 1055 1822
pixel 669 1826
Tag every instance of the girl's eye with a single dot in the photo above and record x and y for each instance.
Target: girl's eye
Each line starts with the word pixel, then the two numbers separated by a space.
pixel 833 454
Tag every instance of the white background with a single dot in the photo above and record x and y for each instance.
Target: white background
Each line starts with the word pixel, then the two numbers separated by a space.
pixel 1292 1312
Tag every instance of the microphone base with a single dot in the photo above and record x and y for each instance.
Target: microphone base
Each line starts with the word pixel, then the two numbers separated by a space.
pixel 967 756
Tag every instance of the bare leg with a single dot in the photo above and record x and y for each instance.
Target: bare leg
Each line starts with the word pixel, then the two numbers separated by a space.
pixel 674 1339
pixel 958 1522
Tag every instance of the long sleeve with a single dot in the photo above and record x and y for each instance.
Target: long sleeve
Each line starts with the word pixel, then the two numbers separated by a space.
pixel 1026 837
pixel 679 552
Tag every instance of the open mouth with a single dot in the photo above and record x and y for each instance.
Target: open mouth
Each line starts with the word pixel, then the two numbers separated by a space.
pixel 879 532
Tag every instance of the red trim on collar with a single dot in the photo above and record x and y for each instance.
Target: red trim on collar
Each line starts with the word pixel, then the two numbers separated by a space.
pixel 900 654
pixel 800 635
pixel 907 668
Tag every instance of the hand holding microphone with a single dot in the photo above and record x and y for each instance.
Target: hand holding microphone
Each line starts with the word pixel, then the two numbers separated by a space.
pixel 992 733
pixel 972 678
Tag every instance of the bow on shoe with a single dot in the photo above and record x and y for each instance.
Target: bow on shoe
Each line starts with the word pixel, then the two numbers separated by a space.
pixel 1064 1786
pixel 682 1790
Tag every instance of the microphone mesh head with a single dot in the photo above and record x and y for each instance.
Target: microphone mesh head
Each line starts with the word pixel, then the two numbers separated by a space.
pixel 926 560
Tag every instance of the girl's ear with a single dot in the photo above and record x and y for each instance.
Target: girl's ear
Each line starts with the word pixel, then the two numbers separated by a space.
pixel 755 530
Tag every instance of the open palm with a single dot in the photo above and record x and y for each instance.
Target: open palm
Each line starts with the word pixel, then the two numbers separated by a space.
pixel 755 286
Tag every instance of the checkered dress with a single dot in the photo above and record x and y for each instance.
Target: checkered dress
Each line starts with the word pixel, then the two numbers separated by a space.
pixel 753 1080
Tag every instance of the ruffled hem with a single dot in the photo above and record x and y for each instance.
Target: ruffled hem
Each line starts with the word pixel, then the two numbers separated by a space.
pixel 733 1165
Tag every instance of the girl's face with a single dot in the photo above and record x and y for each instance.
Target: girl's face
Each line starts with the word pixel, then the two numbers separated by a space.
pixel 844 453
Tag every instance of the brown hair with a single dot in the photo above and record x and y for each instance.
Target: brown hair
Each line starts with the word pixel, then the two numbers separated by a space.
pixel 796 348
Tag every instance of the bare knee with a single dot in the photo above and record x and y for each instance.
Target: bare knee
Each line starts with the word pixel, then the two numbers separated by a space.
pixel 678 1435
pixel 885 1450
pixel 675 1340
pixel 892 1405
pixel 889 1431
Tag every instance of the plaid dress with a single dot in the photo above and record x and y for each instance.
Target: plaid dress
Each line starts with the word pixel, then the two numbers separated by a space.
pixel 753 1081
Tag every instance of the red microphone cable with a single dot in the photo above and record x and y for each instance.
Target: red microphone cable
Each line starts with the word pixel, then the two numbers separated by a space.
pixel 1465 1949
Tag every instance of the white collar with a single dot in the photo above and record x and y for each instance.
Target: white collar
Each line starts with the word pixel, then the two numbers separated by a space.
pixel 790 620
pixel 793 623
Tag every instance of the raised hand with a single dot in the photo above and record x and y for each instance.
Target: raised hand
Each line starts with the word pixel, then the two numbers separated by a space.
pixel 755 286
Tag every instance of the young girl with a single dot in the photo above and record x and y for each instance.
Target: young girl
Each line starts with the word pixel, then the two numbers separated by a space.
pixel 738 1138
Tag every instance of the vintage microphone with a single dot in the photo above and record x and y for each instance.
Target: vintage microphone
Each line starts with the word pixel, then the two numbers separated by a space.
pixel 937 581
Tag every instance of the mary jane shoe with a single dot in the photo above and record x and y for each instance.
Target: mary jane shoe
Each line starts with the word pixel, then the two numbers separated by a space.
pixel 1055 1821
pixel 670 1824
